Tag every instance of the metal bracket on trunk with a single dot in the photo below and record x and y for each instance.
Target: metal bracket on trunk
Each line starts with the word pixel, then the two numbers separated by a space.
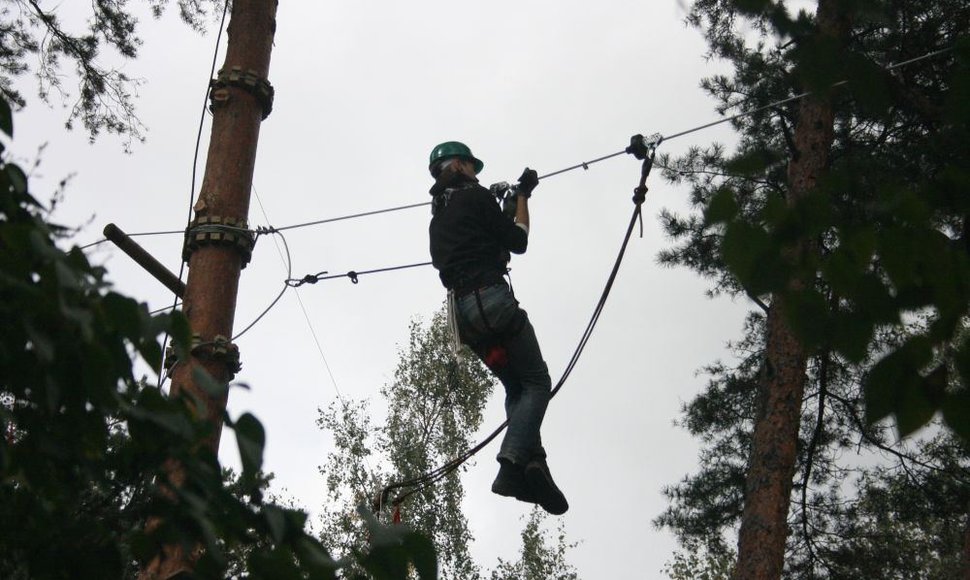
pixel 219 349
pixel 215 230
pixel 249 81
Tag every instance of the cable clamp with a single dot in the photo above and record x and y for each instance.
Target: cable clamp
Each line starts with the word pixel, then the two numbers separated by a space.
pixel 219 231
pixel 308 279
pixel 264 230
pixel 645 149
pixel 249 81
pixel 642 147
pixel 353 276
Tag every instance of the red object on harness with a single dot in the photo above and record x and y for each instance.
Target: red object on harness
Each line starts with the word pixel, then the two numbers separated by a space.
pixel 496 357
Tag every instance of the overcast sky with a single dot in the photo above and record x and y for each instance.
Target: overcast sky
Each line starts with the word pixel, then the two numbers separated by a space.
pixel 364 90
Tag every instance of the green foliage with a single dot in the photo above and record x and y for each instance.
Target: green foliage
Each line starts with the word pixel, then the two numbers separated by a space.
pixel 903 525
pixel 6 118
pixel 872 264
pixel 34 39
pixel 848 462
pixel 395 550
pixel 85 445
pixel 541 557
pixel 886 228
pixel 697 562
pixel 435 405
pixel 703 505
pixel 251 440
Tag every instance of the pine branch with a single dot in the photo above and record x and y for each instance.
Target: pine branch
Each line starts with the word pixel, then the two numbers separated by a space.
pixel 869 438
pixel 810 454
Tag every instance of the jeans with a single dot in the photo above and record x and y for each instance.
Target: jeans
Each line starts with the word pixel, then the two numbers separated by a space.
pixel 525 375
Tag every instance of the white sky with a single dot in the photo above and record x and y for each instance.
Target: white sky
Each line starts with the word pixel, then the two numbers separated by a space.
pixel 364 91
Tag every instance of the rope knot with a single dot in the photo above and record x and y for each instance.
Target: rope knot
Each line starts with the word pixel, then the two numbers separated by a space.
pixel 640 194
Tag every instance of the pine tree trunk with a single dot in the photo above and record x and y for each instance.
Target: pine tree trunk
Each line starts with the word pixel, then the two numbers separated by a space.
pixel 764 527
pixel 214 269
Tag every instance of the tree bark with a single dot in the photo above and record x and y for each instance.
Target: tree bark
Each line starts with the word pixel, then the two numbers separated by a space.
pixel 214 269
pixel 764 522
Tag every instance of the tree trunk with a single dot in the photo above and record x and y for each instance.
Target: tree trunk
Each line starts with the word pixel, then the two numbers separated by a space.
pixel 238 107
pixel 764 526
pixel 215 268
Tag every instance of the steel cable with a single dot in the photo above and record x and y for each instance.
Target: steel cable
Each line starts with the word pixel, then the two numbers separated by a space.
pixel 582 165
pixel 424 481
pixel 195 162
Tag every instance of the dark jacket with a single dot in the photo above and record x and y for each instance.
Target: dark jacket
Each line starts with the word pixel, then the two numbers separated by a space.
pixel 470 236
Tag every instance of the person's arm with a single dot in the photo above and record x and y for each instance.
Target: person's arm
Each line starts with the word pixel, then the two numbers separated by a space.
pixel 527 182
pixel 522 212
pixel 513 234
pixel 510 234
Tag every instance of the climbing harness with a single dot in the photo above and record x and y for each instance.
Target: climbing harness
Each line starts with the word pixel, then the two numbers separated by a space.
pixel 236 235
pixel 453 324
pixel 642 148
pixel 494 354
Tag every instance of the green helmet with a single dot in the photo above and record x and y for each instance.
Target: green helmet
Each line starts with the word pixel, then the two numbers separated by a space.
pixel 452 149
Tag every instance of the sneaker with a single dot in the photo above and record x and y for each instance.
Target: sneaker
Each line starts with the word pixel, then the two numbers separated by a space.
pixel 544 488
pixel 510 482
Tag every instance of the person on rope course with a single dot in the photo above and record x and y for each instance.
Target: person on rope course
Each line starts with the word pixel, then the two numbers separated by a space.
pixel 471 240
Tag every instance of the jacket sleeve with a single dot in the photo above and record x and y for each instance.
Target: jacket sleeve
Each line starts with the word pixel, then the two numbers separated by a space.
pixel 501 227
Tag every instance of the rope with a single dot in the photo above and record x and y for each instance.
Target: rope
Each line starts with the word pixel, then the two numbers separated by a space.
pixel 422 482
pixel 353 216
pixel 195 159
pixel 747 113
pixel 287 264
pixel 164 309
pixel 162 233
pixel 353 275
pixel 286 286
pixel 428 479
pixel 583 165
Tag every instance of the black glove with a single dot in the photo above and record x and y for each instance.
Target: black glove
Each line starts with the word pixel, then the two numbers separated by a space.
pixel 527 182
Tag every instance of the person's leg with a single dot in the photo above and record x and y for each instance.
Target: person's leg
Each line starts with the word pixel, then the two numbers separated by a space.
pixel 523 471
pixel 526 405
pixel 481 318
pixel 525 419
pixel 493 313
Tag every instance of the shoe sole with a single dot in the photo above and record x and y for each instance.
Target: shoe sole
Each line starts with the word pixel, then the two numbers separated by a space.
pixel 516 489
pixel 523 495
pixel 504 491
pixel 546 493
